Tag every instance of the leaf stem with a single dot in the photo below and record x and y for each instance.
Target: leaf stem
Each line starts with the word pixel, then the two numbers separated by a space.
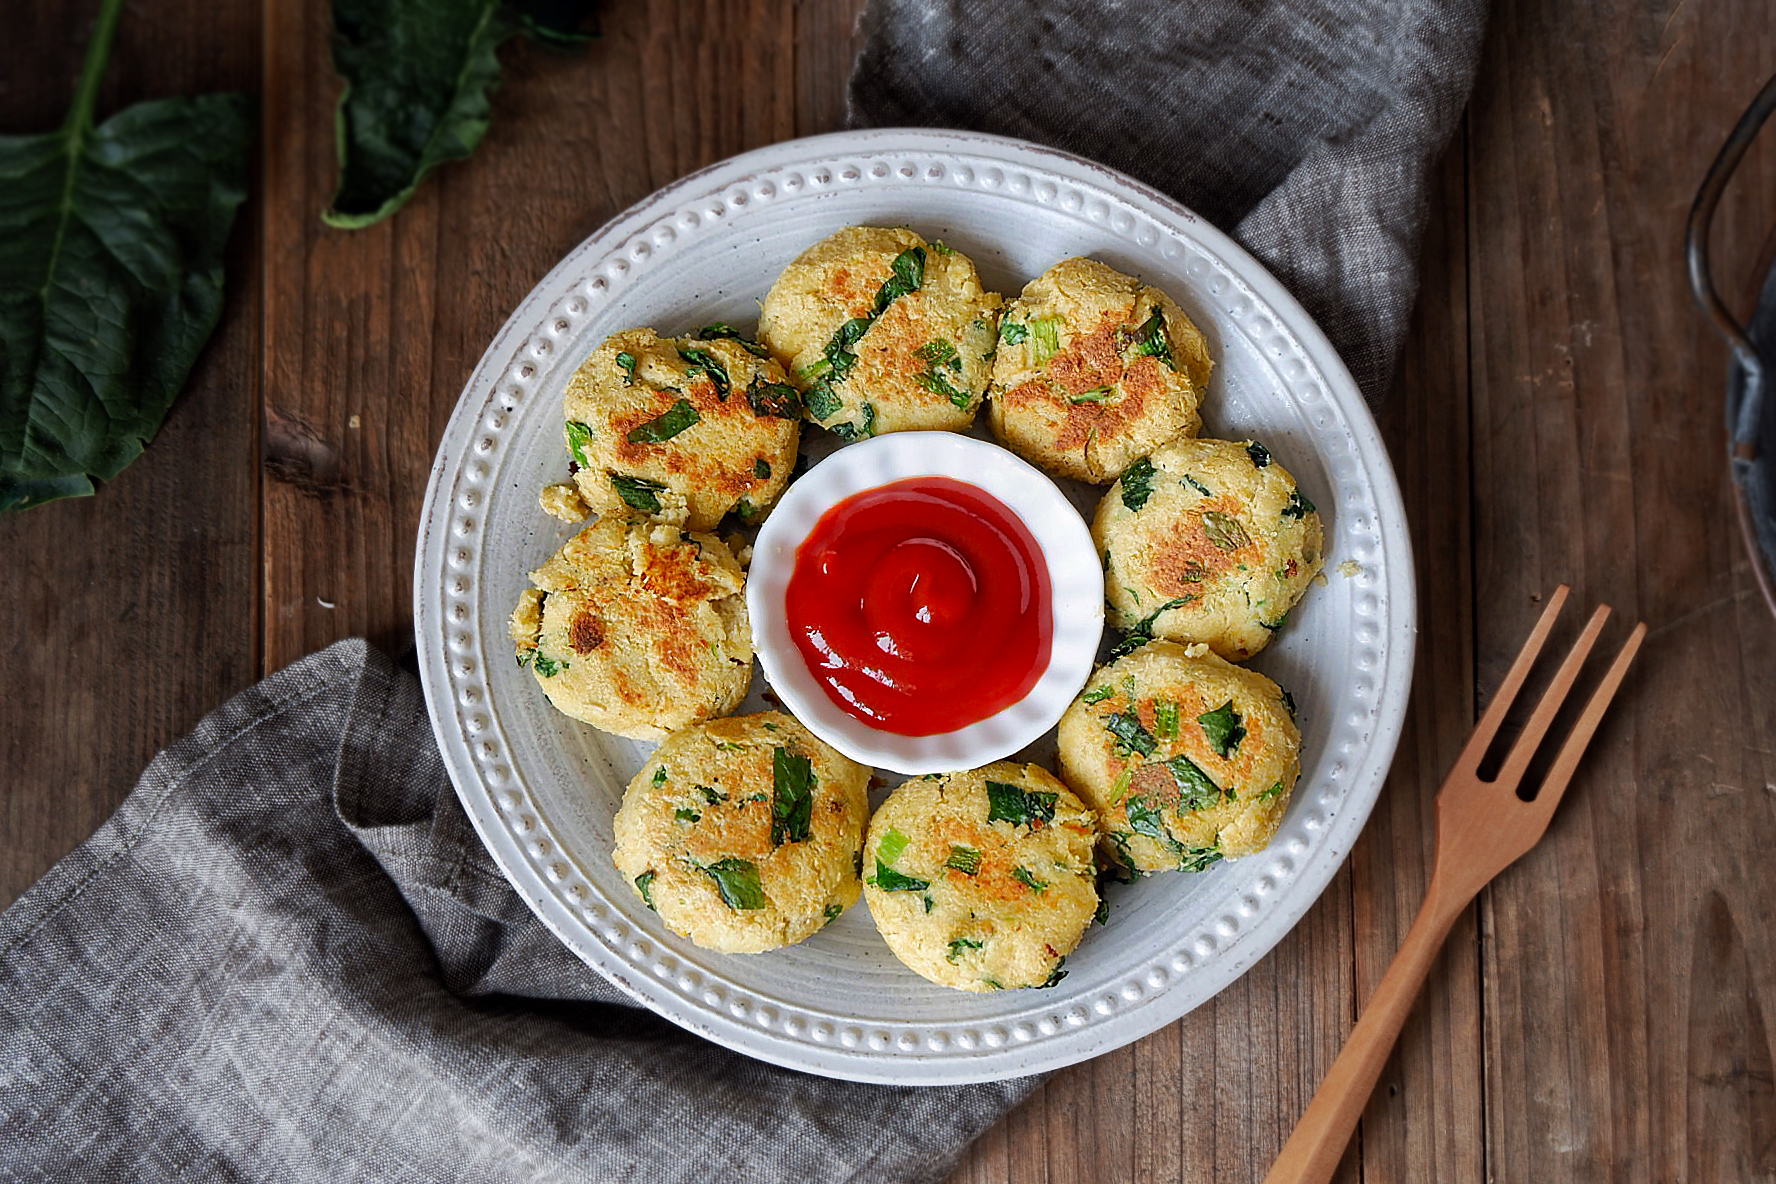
pixel 98 54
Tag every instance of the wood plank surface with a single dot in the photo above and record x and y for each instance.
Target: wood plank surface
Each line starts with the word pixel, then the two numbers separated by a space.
pixel 1603 1014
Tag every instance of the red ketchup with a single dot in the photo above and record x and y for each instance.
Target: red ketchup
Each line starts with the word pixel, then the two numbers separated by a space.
pixel 922 606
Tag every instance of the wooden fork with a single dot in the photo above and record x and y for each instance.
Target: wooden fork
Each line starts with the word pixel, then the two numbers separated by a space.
pixel 1482 828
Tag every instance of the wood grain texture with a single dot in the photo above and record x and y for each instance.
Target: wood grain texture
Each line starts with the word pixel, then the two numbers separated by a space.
pixel 131 613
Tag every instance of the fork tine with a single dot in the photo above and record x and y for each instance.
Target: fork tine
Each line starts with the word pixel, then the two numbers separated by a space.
pixel 1561 771
pixel 1511 772
pixel 1488 727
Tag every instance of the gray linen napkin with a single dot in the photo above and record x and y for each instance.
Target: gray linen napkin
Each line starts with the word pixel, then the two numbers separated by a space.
pixel 1304 128
pixel 244 976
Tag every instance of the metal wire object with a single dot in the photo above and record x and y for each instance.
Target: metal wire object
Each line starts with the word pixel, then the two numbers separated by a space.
pixel 1751 426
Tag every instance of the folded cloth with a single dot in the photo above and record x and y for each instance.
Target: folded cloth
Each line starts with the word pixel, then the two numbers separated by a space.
pixel 1305 128
pixel 287 956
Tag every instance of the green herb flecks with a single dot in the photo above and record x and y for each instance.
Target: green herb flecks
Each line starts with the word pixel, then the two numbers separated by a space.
pixel 1225 531
pixel 1028 879
pixel 830 914
pixel 724 332
pixel 856 431
pixel 1187 479
pixel 1012 333
pixel 1019 806
pixel 711 795
pixel 738 882
pixel 1275 791
pixel 1047 336
pixel 626 363
pixel 792 802
pixel 1137 483
pixel 1098 695
pixel 659 776
pixel 1298 507
pixel 1196 859
pixel 1099 395
pixel 1145 818
pixel 546 666
pixel 940 352
pixel 1165 720
pixel 942 248
pixel 579 438
pixel 637 493
pixel 960 946
pixel 1151 340
pixel 773 400
pixel 938 384
pixel 111 274
pixel 703 361
pixel 666 425
pixel 1196 789
pixel 964 859
pixel 644 884
pixel 1260 455
pixel 1224 729
pixel 1142 633
pixel 686 814
pixel 1130 733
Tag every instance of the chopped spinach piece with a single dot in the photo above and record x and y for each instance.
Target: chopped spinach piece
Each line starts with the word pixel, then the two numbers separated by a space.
pixel 686 814
pixel 1152 341
pixel 738 882
pixel 1196 485
pixel 964 859
pixel 711 795
pixel 761 469
pixel 1165 720
pixel 937 384
pixel 579 438
pixel 1145 818
pixel 703 360
pixel 773 400
pixel 1054 977
pixel 1096 396
pixel 626 363
pixel 1126 726
pixel 942 248
pixel 938 351
pixel 792 803
pixel 1224 729
pixel 889 880
pixel 1102 915
pixel 906 275
pixel 722 332
pixel 644 884
pixel 1275 791
pixel 1012 333
pixel 1259 454
pixel 637 493
pixel 1273 626
pixel 546 666
pixel 745 509
pixel 959 945
pixel 1098 695
pixel 830 914
pixel 1137 483
pixel 666 425
pixel 856 431
pixel 821 401
pixel 1288 702
pixel 1298 507
pixel 1196 859
pixel 1018 806
pixel 659 776
pixel 1024 876
pixel 1142 633
pixel 1225 531
pixel 1196 789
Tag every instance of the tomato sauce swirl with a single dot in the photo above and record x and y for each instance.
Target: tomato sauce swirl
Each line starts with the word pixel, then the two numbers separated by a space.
pixel 921 606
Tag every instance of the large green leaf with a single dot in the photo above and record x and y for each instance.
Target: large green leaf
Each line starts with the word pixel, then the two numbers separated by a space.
pixel 419 79
pixel 110 276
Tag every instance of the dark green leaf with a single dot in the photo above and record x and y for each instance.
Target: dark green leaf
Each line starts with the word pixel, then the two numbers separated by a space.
pixel 1298 507
pixel 111 276
pixel 738 882
pixel 937 351
pixel 704 361
pixel 889 880
pixel 659 776
pixel 626 363
pixel 418 79
pixel 1137 484
pixel 1198 859
pixel 644 884
pixel 1196 789
pixel 1275 791
pixel 1223 728
pixel 822 403
pixel 1127 728
pixel 792 801
pixel 638 494
pixel 831 914
pixel 1152 342
pixel 773 400
pixel 959 945
pixel 937 384
pixel 722 332
pixel 1196 485
pixel 761 469
pixel 546 666
pixel 1145 818
pixel 1012 333
pixel 579 438
pixel 1025 877
pixel 1259 454
pixel 712 795
pixel 1019 806
pixel 1054 977
pixel 906 274
pixel 686 814
pixel 1098 694
pixel 856 431
pixel 1225 531
pixel 964 859
pixel 666 425
pixel 746 509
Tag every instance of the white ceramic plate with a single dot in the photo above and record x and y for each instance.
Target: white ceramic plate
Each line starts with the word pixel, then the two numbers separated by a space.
pixel 542 788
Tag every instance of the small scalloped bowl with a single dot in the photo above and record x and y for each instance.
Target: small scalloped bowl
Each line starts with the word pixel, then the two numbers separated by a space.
pixel 1076 585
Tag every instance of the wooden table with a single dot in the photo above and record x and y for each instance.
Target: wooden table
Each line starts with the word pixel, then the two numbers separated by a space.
pixel 1600 1015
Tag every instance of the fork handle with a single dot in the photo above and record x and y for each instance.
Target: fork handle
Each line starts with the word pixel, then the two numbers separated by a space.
pixel 1312 1153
